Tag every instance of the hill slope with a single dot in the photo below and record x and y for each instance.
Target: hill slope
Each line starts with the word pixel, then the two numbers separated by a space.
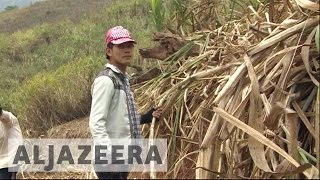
pixel 19 3
pixel 49 67
pixel 48 12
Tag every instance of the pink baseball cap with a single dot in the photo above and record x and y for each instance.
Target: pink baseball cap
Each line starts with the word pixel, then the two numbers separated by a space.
pixel 118 35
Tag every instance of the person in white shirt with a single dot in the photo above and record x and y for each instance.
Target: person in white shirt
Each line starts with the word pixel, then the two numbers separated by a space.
pixel 113 111
pixel 9 130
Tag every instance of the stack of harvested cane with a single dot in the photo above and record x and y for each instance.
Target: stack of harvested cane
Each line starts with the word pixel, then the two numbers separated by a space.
pixel 248 104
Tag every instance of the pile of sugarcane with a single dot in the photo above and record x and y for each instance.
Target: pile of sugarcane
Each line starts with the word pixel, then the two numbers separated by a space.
pixel 248 105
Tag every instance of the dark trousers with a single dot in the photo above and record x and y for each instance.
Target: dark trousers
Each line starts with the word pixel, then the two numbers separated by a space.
pixel 5 174
pixel 120 172
pixel 112 175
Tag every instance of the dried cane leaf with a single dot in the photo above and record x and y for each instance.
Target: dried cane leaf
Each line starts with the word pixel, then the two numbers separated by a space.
pixel 291 121
pixel 304 118
pixel 317 38
pixel 285 168
pixel 308 5
pixel 310 173
pixel 256 149
pixel 270 121
pixel 305 57
pixel 317 128
pixel 284 35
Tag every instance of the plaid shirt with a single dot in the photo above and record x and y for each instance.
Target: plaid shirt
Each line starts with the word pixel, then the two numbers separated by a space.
pixel 134 116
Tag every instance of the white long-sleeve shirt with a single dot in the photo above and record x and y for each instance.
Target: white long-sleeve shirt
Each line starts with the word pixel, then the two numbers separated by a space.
pixel 9 131
pixel 109 117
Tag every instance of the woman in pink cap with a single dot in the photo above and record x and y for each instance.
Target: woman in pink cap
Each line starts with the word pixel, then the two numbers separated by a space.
pixel 113 112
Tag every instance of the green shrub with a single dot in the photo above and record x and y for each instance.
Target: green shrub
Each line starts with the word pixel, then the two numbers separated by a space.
pixel 55 97
pixel 8 8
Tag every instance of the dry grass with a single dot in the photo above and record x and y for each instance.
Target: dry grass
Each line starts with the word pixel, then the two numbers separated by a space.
pixel 60 175
pixel 78 128
pixel 247 104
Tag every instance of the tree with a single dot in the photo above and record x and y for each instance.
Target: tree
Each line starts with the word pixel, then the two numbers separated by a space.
pixel 8 8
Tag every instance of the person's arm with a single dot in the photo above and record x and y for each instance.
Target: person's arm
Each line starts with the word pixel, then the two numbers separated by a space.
pixel 147 117
pixel 102 93
pixel 154 112
pixel 7 118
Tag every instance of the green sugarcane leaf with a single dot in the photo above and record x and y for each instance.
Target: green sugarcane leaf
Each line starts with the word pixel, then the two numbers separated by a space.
pixel 303 156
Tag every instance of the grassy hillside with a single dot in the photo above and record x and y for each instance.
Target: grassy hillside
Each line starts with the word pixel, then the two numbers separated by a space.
pixel 18 3
pixel 49 68
pixel 51 11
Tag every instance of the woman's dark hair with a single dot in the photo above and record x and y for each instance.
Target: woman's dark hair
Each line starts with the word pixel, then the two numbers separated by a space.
pixel 109 45
pixel 0 111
